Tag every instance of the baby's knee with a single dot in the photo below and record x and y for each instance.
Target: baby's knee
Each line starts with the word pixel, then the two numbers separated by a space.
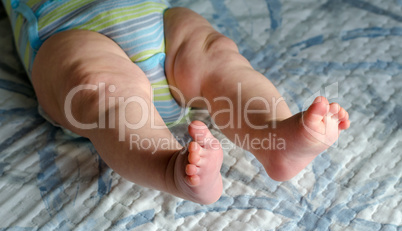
pixel 216 43
pixel 191 35
pixel 220 52
pixel 195 50
pixel 95 84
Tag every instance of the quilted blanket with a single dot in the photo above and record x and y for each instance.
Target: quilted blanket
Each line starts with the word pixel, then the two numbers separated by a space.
pixel 347 50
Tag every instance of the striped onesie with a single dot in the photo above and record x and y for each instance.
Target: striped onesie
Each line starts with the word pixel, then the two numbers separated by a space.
pixel 135 25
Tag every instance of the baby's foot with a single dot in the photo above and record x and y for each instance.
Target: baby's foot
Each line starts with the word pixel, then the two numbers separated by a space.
pixel 323 121
pixel 306 135
pixel 197 169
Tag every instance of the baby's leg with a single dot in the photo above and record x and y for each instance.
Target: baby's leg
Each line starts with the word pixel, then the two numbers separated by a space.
pixel 249 110
pixel 87 84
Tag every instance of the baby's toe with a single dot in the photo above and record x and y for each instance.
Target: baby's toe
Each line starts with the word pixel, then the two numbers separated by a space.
pixel 191 169
pixel 344 125
pixel 200 132
pixel 194 150
pixel 321 99
pixel 343 115
pixel 316 112
pixel 193 180
pixel 334 109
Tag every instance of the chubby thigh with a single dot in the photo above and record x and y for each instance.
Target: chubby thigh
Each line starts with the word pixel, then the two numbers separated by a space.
pixel 136 26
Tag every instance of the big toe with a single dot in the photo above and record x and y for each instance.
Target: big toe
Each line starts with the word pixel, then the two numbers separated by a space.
pixel 201 134
pixel 317 110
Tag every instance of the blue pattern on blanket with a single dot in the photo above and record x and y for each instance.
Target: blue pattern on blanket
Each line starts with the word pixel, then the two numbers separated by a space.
pixel 347 50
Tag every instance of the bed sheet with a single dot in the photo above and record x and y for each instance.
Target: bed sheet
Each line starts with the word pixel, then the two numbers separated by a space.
pixel 347 50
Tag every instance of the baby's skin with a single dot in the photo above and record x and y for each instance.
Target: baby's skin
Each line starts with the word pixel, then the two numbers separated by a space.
pixel 208 72
pixel 307 134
